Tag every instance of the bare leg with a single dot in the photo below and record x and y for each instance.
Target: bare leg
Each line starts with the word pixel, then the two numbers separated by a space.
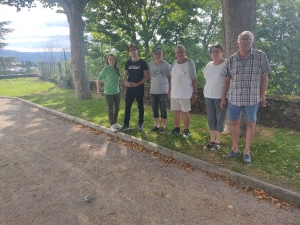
pixel 212 136
pixel 249 136
pixel 235 134
pixel 219 135
pixel 186 120
pixel 156 122
pixel 163 122
pixel 177 118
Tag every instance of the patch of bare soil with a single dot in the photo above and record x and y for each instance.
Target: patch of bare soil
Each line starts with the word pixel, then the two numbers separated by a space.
pixel 48 166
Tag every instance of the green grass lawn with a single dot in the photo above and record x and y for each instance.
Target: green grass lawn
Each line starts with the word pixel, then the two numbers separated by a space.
pixel 275 152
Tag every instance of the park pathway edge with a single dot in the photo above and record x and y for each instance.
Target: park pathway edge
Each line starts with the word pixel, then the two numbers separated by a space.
pixel 242 180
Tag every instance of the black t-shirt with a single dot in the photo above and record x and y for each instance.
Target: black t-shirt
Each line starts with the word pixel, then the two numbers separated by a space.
pixel 136 70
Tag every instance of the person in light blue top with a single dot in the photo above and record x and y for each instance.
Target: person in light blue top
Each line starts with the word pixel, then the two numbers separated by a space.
pixel 111 76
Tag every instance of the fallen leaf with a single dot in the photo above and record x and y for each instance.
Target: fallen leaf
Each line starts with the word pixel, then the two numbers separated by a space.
pixel 230 207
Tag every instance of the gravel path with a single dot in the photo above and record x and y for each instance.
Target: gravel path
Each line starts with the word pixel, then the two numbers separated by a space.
pixel 48 165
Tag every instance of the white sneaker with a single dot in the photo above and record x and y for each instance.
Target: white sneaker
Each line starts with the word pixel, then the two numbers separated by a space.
pixel 118 126
pixel 113 128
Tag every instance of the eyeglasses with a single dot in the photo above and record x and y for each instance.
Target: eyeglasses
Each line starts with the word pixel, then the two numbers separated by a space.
pixel 245 40
pixel 157 53
pixel 217 52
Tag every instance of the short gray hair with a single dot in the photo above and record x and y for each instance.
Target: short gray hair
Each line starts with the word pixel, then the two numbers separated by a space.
pixel 246 32
pixel 180 46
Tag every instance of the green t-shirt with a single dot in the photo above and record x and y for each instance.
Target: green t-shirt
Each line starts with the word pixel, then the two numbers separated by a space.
pixel 111 79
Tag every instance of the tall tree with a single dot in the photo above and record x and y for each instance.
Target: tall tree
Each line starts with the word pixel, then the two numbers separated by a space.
pixel 74 10
pixel 4 31
pixel 238 16
pixel 278 34
pixel 149 22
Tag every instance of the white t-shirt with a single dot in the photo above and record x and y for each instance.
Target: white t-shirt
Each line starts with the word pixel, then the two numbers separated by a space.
pixel 159 77
pixel 181 79
pixel 214 80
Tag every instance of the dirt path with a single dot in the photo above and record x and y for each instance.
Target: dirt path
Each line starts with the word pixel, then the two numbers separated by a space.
pixel 48 166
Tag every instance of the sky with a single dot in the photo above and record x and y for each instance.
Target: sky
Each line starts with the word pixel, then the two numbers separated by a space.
pixel 35 29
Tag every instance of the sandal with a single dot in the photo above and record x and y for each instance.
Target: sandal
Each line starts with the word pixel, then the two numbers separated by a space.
pixel 216 146
pixel 210 145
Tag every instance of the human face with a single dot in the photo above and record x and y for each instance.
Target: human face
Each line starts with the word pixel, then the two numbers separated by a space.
pixel 216 54
pixel 245 43
pixel 180 54
pixel 111 60
pixel 133 52
pixel 158 55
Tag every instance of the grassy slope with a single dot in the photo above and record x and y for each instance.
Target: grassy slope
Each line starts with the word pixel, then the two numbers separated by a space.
pixel 275 153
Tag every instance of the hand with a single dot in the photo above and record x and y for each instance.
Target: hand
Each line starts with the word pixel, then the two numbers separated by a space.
pixel 194 98
pixel 263 102
pixel 169 96
pixel 223 104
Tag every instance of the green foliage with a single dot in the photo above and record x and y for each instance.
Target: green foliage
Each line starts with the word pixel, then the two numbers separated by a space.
pixel 275 152
pixel 4 31
pixel 58 73
pixel 164 23
pixel 278 33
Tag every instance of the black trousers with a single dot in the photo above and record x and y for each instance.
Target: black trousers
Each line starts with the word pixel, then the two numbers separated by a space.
pixel 131 95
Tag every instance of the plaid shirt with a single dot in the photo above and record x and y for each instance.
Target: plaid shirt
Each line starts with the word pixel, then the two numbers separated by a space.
pixel 245 77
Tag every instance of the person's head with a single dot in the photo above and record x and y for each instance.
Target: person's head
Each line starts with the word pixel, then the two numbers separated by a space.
pixel 133 50
pixel 111 60
pixel 180 52
pixel 245 41
pixel 158 54
pixel 216 51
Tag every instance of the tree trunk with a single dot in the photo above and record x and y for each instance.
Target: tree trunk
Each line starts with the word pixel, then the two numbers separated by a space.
pixel 74 11
pixel 238 16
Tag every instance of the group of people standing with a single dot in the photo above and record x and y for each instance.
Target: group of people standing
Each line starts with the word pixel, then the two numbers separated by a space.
pixel 234 85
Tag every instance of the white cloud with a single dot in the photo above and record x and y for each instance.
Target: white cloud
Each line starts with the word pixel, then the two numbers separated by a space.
pixel 34 27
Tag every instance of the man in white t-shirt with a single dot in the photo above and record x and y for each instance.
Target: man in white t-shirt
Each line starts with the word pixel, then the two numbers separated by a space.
pixel 183 89
pixel 160 73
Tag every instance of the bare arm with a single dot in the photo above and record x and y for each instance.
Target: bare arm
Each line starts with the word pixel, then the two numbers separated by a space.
pixel 98 86
pixel 263 88
pixel 224 91
pixel 194 84
pixel 169 90
pixel 126 74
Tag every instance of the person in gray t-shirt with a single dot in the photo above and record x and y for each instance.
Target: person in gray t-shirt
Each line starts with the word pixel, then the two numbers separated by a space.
pixel 160 73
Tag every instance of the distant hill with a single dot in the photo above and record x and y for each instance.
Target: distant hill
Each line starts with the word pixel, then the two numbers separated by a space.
pixel 35 56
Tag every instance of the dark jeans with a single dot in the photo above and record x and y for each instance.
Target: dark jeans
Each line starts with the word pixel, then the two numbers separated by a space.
pixel 159 101
pixel 113 107
pixel 131 94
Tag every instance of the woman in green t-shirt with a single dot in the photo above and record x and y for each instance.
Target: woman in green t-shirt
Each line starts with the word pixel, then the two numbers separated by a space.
pixel 111 76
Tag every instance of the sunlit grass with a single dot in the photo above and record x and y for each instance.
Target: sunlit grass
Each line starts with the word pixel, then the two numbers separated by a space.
pixel 275 152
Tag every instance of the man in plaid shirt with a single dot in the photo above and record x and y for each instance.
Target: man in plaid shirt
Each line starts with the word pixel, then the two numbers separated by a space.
pixel 245 84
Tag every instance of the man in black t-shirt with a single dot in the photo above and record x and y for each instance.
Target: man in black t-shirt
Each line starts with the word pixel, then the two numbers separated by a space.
pixel 136 74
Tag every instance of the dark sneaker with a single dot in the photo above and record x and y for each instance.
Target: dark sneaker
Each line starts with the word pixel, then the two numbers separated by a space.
pixel 124 128
pixel 162 130
pixel 155 128
pixel 216 146
pixel 186 133
pixel 247 158
pixel 174 131
pixel 232 154
pixel 210 145
pixel 141 127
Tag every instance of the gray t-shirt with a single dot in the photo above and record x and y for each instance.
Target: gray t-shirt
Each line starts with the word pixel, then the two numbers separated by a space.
pixel 159 77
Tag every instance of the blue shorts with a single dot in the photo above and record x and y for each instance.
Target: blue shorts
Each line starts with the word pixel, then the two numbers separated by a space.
pixel 234 112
